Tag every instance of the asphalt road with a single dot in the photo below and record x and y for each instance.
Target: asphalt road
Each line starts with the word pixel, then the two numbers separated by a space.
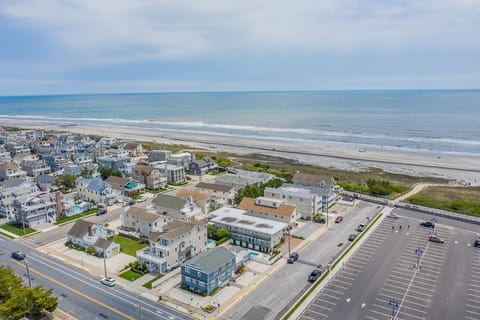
pixel 60 232
pixel 382 269
pixel 79 293
pixel 282 288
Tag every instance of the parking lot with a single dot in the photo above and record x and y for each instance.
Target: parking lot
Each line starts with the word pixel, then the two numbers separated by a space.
pixel 399 272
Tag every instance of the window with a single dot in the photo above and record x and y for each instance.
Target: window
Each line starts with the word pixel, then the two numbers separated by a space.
pixel 186 269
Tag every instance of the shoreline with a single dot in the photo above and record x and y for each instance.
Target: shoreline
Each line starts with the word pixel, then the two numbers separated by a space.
pixel 465 169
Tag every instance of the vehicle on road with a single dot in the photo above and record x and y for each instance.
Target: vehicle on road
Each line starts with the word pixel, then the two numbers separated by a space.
pixel 109 282
pixel 427 224
pixel 101 212
pixel 393 215
pixel 435 239
pixel 316 273
pixel 338 219
pixel 18 255
pixel 141 199
pixel 360 227
pixel 477 243
pixel 352 236
pixel 293 257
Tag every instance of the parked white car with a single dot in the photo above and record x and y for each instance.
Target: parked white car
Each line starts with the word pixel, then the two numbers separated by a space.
pixel 109 282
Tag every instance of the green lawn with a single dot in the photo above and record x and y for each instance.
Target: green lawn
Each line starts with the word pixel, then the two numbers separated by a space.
pixel 148 284
pixel 87 213
pixel 127 245
pixel 130 275
pixel 18 230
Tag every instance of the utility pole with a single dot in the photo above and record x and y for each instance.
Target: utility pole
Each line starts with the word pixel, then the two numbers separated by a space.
pixel 28 274
pixel 105 262
pixel 289 241
pixel 394 304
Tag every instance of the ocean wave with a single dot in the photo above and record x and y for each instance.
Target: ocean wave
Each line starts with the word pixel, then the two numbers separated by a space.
pixel 290 134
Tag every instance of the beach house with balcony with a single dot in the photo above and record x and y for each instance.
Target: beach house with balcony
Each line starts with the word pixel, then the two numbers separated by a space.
pixel 248 231
pixel 150 176
pixel 175 207
pixel 143 221
pixel 10 170
pixel 202 166
pixel 97 191
pixel 12 189
pixel 177 242
pixel 223 194
pixel 37 208
pixel 269 208
pixel 35 168
pixel 208 270
pixel 126 186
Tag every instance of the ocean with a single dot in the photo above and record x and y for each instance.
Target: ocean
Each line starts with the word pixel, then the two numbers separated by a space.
pixel 438 121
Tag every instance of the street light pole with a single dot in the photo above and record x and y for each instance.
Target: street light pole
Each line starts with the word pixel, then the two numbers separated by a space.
pixel 394 304
pixel 434 220
pixel 289 241
pixel 419 252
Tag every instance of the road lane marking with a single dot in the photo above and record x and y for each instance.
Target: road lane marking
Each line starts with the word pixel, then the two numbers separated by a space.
pixel 76 292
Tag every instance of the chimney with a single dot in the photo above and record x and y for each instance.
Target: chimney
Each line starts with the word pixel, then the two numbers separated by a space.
pixel 90 233
pixel 58 198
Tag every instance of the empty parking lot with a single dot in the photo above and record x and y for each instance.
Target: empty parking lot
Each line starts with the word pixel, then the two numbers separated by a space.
pixel 400 272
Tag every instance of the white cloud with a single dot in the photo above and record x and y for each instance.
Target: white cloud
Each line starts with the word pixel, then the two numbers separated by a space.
pixel 122 31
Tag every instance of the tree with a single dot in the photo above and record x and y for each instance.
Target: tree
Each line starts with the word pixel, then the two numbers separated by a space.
pixel 86 173
pixel 210 230
pixel 107 172
pixel 17 300
pixel 65 182
pixel 222 233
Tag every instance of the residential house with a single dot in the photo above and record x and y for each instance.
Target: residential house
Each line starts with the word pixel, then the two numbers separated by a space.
pixel 57 161
pixel 97 191
pixel 12 189
pixel 175 207
pixel 158 155
pixel 143 220
pixel 17 148
pixel 37 208
pixel 233 181
pixel 223 194
pixel 35 168
pixel 177 242
pixel 133 149
pixel 126 186
pixel 4 155
pixel 44 182
pixel 323 186
pixel 208 270
pixel 307 201
pixel 123 164
pixel 202 200
pixel 10 170
pixel 150 176
pixel 107 142
pixel 202 166
pixel 247 231
pixel 180 159
pixel 88 234
pixel 269 208
pixel 253 177
pixel 174 173
pixel 72 170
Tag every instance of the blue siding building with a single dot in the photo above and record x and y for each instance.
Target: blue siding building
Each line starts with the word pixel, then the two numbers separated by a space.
pixel 208 270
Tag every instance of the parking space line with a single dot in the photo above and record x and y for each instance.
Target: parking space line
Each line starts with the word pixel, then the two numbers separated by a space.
pixel 349 272
pixel 348 283
pixel 388 296
pixel 305 316
pixel 402 283
pixel 415 310
pixel 405 313
pixel 472 312
pixel 323 300
pixel 475 307
pixel 330 296
pixel 334 291
pixel 323 307
pixel 356 264
pixel 354 268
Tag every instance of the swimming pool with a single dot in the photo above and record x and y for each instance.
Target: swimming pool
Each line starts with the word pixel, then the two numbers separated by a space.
pixel 77 209
pixel 253 254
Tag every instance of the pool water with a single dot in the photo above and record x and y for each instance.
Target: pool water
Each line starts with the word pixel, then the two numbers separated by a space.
pixel 77 209
pixel 254 254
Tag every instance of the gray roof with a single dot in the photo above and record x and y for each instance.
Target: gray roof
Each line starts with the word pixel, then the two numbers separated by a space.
pixel 79 228
pixel 45 178
pixel 167 201
pixel 12 183
pixel 309 179
pixel 102 243
pixel 143 214
pixel 214 186
pixel 210 260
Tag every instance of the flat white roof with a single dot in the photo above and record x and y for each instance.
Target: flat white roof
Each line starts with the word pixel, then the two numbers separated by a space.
pixel 290 189
pixel 237 218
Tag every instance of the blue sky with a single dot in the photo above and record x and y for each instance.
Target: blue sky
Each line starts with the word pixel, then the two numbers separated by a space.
pixel 91 46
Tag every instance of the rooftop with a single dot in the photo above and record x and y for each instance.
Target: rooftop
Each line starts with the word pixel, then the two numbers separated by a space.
pixel 283 209
pixel 210 260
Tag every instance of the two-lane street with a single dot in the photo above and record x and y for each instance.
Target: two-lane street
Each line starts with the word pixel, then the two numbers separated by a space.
pixel 79 293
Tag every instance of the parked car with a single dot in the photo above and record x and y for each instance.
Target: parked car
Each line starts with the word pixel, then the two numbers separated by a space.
pixel 477 243
pixel 435 239
pixel 293 257
pixel 18 255
pixel 352 236
pixel 427 224
pixel 320 220
pixel 393 215
pixel 142 199
pixel 360 227
pixel 109 282
pixel 316 273
pixel 338 219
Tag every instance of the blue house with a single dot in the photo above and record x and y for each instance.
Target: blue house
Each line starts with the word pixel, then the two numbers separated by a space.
pixel 208 270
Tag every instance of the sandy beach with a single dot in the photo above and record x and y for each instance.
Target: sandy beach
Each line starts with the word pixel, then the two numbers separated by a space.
pixel 462 168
